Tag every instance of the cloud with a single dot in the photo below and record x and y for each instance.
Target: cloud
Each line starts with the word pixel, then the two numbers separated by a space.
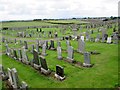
pixel 30 9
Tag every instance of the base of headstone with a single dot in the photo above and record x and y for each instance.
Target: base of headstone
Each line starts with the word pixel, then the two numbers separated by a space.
pixel 80 51
pixel 9 83
pixel 52 48
pixel 70 60
pixel 27 62
pixel 36 66
pixel 15 88
pixel 59 77
pixel 24 86
pixel 60 58
pixel 46 72
pixel 87 65
pixel 15 58
pixel 44 54
pixel 19 59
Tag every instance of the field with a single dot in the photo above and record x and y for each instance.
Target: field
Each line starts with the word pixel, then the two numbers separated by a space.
pixel 103 74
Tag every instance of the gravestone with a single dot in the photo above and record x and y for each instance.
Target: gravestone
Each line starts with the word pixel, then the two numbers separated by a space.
pixel 52 45
pixel 59 72
pixel 25 59
pixel 44 67
pixel 10 80
pixel 105 36
pixel 82 38
pixel 59 44
pixel 15 40
pixel 20 42
pixel 109 40
pixel 46 44
pixel 86 59
pixel 70 54
pixel 44 49
pixel 68 43
pixel 32 49
pixel 115 38
pixel 92 39
pixel 15 78
pixel 15 54
pixel 59 52
pixel 81 46
pixel 7 50
pixel 37 48
pixel 19 55
pixel 25 44
pixel 97 38
pixel 36 62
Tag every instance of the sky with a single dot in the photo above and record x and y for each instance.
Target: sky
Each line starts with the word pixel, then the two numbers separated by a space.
pixel 40 9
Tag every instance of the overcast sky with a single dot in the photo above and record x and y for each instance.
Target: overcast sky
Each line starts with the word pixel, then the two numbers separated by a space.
pixel 35 9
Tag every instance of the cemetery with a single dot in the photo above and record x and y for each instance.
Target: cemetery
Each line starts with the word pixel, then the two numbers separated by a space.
pixel 69 53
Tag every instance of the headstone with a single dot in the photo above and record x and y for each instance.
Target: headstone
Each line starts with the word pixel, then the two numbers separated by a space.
pixel 52 45
pixel 24 56
pixel 58 44
pixel 19 55
pixel 59 52
pixel 68 43
pixel 15 78
pixel 87 59
pixel 70 54
pixel 32 49
pixel 37 48
pixel 44 49
pixel 44 67
pixel 109 40
pixel 115 38
pixel 36 62
pixel 82 38
pixel 7 50
pixel 59 72
pixel 10 76
pixel 81 46
pixel 26 46
pixel 15 54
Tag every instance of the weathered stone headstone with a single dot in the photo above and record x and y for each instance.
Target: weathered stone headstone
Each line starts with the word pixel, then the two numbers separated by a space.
pixel 115 38
pixel 59 52
pixel 44 49
pixel 26 46
pixel 15 78
pixel 58 44
pixel 32 49
pixel 19 55
pixel 109 40
pixel 7 50
pixel 44 67
pixel 24 56
pixel 10 76
pixel 87 62
pixel 36 62
pixel 70 54
pixel 52 45
pixel 37 48
pixel 82 38
pixel 59 72
pixel 81 46
pixel 15 54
